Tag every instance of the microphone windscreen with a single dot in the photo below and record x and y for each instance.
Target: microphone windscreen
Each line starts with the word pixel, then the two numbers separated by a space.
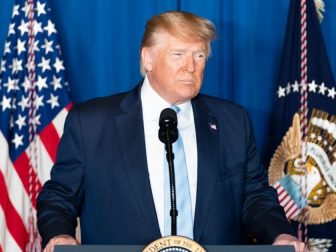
pixel 168 115
pixel 168 124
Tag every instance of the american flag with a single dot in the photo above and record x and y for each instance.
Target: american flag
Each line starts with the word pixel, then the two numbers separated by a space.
pixel 34 101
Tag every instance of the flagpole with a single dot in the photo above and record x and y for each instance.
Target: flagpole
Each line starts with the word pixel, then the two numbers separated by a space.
pixel 302 233
pixel 33 244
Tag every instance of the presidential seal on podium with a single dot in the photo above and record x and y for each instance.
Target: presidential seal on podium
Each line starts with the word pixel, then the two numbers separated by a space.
pixel 174 243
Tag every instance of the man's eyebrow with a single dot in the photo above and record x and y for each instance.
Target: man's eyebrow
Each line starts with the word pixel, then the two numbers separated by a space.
pixel 178 49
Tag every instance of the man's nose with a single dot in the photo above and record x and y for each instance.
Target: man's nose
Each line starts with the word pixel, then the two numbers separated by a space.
pixel 190 64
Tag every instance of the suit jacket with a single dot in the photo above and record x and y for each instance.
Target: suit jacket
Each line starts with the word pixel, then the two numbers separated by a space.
pixel 101 175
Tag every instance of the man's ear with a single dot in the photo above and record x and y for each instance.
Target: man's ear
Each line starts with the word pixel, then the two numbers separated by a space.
pixel 146 56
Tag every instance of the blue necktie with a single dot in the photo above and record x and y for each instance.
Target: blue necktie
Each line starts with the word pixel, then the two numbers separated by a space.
pixel 183 200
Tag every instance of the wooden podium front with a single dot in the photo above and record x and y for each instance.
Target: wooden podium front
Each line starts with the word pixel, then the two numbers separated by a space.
pixel 137 248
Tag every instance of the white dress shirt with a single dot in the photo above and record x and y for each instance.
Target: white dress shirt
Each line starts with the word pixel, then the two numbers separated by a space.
pixel 152 105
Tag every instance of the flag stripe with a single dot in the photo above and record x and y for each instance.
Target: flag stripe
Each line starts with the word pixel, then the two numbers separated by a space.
pixel 13 219
pixel 286 201
pixel 60 118
pixel 21 165
pixel 7 241
pixel 18 194
pixel 68 107
pixel 45 163
pixel 50 139
pixel 282 195
pixel 290 203
pixel 293 211
pixel 281 192
pixel 277 186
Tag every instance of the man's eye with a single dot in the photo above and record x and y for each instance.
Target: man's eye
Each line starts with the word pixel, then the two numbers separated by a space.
pixel 199 56
pixel 176 56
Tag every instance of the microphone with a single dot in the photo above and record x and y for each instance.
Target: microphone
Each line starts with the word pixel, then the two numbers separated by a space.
pixel 168 126
pixel 168 134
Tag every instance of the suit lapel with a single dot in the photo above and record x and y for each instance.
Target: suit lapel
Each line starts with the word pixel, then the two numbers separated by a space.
pixel 132 141
pixel 207 152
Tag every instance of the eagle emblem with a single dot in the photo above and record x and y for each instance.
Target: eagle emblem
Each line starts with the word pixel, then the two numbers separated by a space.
pixel 317 185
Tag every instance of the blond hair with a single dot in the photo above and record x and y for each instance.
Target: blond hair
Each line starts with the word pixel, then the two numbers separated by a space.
pixel 180 24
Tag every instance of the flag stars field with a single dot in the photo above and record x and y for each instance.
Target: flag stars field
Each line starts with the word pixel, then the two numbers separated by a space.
pixel 20 46
pixel 37 28
pixel 44 64
pixel 36 121
pixel 18 140
pixel 3 66
pixel 15 10
pixel 40 8
pixel 24 103
pixel 331 93
pixel 53 101
pixel 30 66
pixel 26 84
pixel 50 28
pixel 7 46
pixel 36 48
pixel 11 85
pixel 312 88
pixel 56 83
pixel 39 102
pixel 288 88
pixel 6 103
pixel 295 87
pixel 11 29
pixel 58 65
pixel 25 9
pixel 47 46
pixel 16 65
pixel 23 28
pixel 21 121
pixel 281 92
pixel 41 83
pixel 323 88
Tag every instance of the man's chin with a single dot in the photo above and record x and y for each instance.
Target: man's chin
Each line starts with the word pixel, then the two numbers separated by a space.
pixel 187 97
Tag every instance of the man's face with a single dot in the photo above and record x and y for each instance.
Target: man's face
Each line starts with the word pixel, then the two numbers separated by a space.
pixel 175 67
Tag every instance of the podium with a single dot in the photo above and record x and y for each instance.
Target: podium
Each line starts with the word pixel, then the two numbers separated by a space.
pixel 138 248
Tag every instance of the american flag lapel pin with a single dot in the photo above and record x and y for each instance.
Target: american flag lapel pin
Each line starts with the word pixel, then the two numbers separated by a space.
pixel 213 126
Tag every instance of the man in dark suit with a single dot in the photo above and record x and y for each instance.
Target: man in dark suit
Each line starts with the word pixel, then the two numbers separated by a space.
pixel 110 163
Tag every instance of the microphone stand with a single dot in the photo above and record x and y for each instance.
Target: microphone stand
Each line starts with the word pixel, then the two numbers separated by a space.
pixel 170 159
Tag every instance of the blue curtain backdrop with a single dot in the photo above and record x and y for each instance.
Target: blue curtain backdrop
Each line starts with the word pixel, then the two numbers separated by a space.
pixel 100 42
